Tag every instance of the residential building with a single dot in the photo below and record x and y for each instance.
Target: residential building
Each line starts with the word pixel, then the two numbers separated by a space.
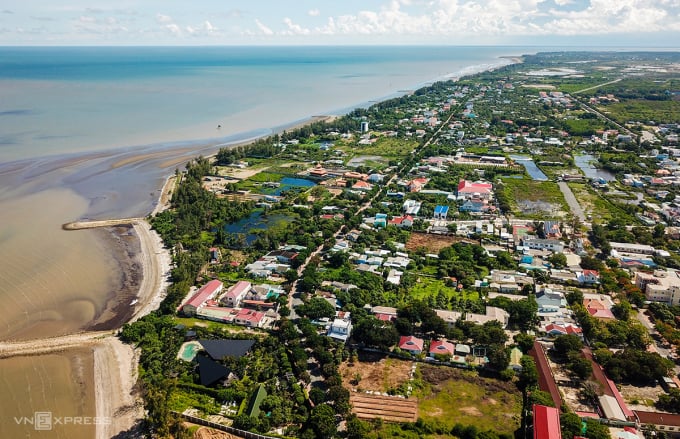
pixel 249 317
pixel 236 293
pixel 589 277
pixel 402 221
pixel 341 328
pixel 491 313
pixel 440 212
pixel 478 189
pixel 441 347
pixel 412 345
pixel 661 286
pixel 544 244
pixel 551 229
pixel 206 292
pixel 625 247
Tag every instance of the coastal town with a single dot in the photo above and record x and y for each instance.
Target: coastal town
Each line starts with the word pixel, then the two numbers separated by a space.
pixel 491 257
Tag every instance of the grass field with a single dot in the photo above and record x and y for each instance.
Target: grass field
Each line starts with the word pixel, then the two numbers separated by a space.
pixel 453 396
pixel 529 198
pixel 427 286
pixel 644 110
pixel 595 205
pixel 387 147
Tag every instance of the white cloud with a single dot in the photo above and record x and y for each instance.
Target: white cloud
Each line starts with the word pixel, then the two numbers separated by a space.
pixel 294 29
pixel 160 18
pixel 263 29
pixel 313 12
pixel 174 29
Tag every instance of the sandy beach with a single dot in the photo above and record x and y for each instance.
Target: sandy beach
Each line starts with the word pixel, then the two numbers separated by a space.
pixel 116 400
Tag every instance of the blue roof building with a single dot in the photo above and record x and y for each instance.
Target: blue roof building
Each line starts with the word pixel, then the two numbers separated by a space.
pixel 440 212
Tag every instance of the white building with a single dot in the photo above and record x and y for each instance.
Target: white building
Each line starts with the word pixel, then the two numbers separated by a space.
pixel 544 244
pixel 662 286
pixel 341 328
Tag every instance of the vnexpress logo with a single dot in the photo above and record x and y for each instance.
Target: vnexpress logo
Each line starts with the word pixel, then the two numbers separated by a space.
pixel 46 421
pixel 42 420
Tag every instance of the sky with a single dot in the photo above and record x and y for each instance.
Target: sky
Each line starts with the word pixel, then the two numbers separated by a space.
pixel 628 23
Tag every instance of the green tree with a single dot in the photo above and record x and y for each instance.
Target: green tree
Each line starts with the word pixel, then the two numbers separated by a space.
pixel 524 342
pixel 565 344
pixel 322 421
pixel 316 308
pixel 570 425
pixel 558 260
pixel 580 367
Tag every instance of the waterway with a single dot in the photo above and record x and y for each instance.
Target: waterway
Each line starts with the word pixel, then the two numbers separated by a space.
pixel 585 164
pixel 534 172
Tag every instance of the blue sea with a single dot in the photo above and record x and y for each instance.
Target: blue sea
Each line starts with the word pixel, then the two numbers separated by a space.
pixel 56 100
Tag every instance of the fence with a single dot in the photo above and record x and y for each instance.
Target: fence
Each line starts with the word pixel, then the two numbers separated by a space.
pixel 225 428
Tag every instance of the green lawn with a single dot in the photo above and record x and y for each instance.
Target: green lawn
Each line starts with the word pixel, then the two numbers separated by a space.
pixel 432 287
pixel 452 396
pixel 387 147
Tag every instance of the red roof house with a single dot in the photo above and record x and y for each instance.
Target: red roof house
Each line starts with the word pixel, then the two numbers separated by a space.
pixel 249 317
pixel 546 422
pixel 468 189
pixel 442 347
pixel 206 292
pixel 411 344
pixel 236 293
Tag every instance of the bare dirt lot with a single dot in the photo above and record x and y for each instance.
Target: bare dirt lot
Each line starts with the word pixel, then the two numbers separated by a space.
pixel 377 372
pixel 209 433
pixel 432 242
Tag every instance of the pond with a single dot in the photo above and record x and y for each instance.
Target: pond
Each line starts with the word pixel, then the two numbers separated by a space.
pixel 585 163
pixel 534 172
pixel 250 224
pixel 288 183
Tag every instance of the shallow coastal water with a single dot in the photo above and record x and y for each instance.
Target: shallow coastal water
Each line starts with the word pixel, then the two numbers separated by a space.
pixel 70 120
pixel 57 384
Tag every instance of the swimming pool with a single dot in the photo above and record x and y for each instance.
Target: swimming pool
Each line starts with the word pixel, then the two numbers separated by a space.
pixel 188 350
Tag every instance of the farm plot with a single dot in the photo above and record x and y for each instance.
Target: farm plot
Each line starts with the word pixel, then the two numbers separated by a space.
pixel 388 408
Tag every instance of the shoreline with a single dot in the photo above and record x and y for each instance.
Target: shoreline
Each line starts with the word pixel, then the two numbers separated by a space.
pixel 151 294
pixel 116 364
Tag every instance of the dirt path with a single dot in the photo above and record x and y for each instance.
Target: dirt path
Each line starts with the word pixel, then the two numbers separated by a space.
pixel 572 201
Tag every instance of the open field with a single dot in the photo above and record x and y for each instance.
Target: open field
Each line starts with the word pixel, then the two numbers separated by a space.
pixel 595 205
pixel 433 243
pixel 534 198
pixel 453 396
pixel 387 147
pixel 387 408
pixel 644 110
pixel 429 287
pixel 378 372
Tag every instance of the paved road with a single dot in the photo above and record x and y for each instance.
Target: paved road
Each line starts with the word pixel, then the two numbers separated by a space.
pixel 572 201
pixel 294 297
